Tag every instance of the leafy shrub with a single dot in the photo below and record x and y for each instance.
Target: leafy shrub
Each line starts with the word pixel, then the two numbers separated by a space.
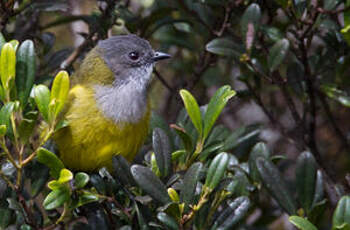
pixel 195 174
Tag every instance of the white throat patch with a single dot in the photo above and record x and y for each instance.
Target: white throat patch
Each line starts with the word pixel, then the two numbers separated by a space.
pixel 126 102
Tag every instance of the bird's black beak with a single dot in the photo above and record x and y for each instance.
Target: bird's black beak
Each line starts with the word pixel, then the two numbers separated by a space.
pixel 160 56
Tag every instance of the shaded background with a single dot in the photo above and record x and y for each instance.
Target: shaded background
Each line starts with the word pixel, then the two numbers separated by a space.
pixel 300 104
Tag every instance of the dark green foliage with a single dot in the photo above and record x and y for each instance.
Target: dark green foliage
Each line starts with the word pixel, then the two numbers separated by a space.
pixel 290 57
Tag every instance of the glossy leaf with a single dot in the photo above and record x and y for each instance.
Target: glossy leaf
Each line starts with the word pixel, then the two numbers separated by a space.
pixel 185 137
pixel 341 215
pixel 65 176
pixel 5 113
pixel 319 190
pixel 7 64
pixel 215 106
pixel 216 170
pixel 81 179
pixel 167 220
pixel 188 188
pixel 2 130
pixel 193 110
pixel 122 170
pixel 306 180
pixel 2 41
pixel 225 47
pixel 241 136
pixel 336 94
pixel 25 69
pixel 14 43
pixel 275 184
pixel 173 195
pixel 259 150
pixel 302 223
pixel 252 14
pixel 59 91
pixel 161 148
pixel 49 159
pixel 150 183
pixel 230 216
pixel 85 198
pixel 56 198
pixel 42 100
pixel 278 53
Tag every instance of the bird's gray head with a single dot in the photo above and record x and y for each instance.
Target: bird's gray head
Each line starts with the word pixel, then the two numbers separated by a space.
pixel 130 57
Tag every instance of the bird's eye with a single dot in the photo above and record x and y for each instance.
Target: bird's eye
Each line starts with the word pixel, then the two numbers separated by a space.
pixel 134 55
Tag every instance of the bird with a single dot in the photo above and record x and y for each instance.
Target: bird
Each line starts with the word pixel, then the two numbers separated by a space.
pixel 108 107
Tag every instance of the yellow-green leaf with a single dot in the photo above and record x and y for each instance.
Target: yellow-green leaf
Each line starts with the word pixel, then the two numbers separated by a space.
pixel 7 64
pixel 193 110
pixel 216 105
pixel 65 176
pixel 302 223
pixel 59 91
pixel 42 99
pixel 14 44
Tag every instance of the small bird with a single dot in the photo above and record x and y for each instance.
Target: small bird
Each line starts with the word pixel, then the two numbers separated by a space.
pixel 108 109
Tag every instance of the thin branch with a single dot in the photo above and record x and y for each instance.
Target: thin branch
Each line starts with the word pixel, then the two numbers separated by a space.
pixel 331 119
pixel 163 81
pixel 324 11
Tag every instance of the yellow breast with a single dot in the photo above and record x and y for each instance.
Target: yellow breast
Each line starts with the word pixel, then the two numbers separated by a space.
pixel 91 140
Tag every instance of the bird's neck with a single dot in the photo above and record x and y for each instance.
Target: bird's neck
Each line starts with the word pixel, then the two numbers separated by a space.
pixel 122 103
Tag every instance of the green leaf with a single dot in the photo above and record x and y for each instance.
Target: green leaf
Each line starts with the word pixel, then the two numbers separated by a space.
pixel 243 135
pixel 25 70
pixel 150 183
pixel 188 188
pixel 49 159
pixel 230 216
pixel 185 137
pixel 42 100
pixel 7 65
pixel 302 223
pixel 56 198
pixel 59 91
pixel 86 197
pixel 319 190
pixel 6 216
pixel 336 94
pixel 225 47
pixel 65 176
pixel 259 150
pixel 216 170
pixel 277 54
pixel 177 154
pixel 5 113
pixel 2 41
pixel 193 110
pixel 2 130
pixel 215 106
pixel 81 179
pixel 161 148
pixel 14 43
pixel 251 15
pixel 54 185
pixel 25 227
pixel 168 221
pixel 306 180
pixel 274 183
pixel 341 214
pixel 122 170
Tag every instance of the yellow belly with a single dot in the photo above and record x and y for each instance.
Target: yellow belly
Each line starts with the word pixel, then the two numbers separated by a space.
pixel 91 140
